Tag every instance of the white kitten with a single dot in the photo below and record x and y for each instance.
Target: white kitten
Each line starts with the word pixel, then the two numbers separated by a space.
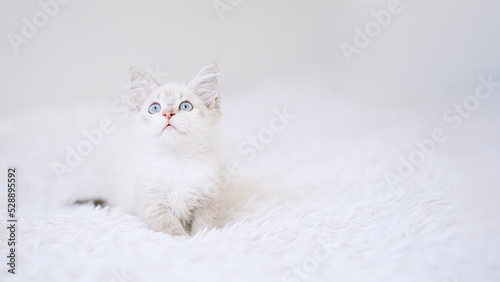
pixel 168 168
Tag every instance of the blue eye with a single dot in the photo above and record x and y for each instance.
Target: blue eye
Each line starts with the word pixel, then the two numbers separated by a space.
pixel 186 106
pixel 154 108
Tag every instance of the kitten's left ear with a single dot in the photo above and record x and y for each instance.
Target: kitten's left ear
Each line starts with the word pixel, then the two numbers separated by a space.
pixel 206 86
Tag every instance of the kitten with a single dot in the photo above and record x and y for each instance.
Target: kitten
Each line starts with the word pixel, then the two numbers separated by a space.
pixel 168 168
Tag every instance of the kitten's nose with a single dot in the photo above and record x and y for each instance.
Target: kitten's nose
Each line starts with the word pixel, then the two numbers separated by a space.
pixel 169 115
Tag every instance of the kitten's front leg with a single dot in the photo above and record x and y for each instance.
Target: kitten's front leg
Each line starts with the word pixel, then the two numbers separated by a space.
pixel 204 217
pixel 161 219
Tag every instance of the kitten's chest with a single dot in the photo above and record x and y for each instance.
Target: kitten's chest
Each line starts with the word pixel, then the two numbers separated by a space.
pixel 183 177
pixel 181 185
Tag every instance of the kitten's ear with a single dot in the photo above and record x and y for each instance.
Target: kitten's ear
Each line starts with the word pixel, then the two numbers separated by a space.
pixel 140 87
pixel 206 86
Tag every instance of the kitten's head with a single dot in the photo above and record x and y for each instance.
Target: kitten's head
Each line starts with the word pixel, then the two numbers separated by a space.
pixel 176 113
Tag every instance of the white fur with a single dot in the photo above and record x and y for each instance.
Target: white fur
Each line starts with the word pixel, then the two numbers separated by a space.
pixel 168 174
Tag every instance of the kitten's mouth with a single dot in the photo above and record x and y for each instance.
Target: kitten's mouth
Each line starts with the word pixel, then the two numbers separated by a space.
pixel 169 126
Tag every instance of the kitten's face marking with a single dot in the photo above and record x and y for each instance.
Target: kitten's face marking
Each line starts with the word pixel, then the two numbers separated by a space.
pixel 176 113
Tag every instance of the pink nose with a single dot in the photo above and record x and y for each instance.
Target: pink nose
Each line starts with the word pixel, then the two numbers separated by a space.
pixel 169 115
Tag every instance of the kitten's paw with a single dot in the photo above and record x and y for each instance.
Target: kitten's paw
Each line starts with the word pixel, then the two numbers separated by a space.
pixel 162 220
pixel 177 233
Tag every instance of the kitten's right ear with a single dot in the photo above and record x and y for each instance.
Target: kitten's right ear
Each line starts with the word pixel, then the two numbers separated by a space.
pixel 140 87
